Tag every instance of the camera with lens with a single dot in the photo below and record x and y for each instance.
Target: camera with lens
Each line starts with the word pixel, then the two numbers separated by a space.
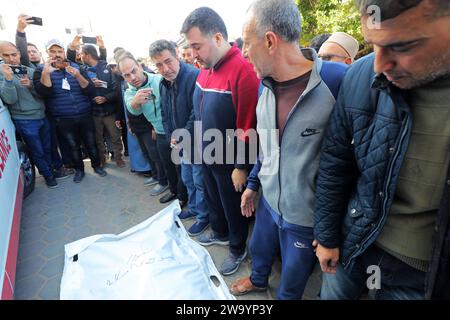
pixel 19 70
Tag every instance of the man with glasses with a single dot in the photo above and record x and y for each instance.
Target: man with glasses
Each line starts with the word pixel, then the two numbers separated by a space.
pixel 27 111
pixel 340 47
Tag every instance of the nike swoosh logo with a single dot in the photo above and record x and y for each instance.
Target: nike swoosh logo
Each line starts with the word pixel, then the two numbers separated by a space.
pixel 300 245
pixel 309 132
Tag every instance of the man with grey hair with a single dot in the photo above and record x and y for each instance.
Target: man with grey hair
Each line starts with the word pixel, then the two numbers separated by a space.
pixel 177 90
pixel 298 96
pixel 382 192
pixel 164 55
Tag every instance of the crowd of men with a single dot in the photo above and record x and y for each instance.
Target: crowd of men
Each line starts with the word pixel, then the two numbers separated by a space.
pixel 352 162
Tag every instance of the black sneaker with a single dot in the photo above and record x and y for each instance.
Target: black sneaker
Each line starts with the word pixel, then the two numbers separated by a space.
pixel 100 171
pixel 168 197
pixel 51 182
pixel 60 174
pixel 79 175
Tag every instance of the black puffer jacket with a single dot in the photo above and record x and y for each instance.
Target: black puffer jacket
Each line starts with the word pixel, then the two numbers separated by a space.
pixel 176 100
pixel 362 154
pixel 103 72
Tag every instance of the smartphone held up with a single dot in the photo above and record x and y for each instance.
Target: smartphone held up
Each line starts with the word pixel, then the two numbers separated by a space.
pixel 35 20
pixel 92 40
pixel 61 64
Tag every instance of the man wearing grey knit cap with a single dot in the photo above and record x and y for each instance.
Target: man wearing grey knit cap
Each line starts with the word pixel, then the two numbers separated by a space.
pixel 340 47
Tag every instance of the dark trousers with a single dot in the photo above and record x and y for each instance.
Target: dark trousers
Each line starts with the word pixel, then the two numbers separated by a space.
pixel 398 281
pixel 224 205
pixel 58 142
pixel 271 234
pixel 76 130
pixel 148 147
pixel 173 171
pixel 37 136
pixel 124 134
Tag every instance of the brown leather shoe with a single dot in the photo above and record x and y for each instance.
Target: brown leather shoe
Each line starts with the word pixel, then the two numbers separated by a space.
pixel 243 286
pixel 120 163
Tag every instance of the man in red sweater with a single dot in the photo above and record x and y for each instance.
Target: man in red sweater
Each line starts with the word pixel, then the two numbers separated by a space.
pixel 225 100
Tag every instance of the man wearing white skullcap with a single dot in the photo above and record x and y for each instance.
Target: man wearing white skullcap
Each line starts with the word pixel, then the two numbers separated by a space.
pixel 340 47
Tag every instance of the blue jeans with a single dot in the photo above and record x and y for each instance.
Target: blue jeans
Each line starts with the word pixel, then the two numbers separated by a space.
pixel 37 136
pixel 172 171
pixel 193 179
pixel 398 280
pixel 271 234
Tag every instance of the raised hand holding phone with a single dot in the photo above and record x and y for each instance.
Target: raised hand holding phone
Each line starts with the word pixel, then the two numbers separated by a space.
pixel 92 40
pixel 35 20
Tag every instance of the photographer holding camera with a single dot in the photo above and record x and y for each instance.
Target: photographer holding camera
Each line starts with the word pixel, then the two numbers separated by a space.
pixel 68 92
pixel 27 111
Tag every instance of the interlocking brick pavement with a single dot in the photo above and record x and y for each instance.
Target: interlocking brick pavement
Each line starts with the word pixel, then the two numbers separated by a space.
pixel 53 217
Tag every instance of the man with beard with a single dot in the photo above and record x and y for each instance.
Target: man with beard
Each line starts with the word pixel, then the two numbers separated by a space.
pixel 382 200
pixel 67 92
pixel 27 112
pixel 225 100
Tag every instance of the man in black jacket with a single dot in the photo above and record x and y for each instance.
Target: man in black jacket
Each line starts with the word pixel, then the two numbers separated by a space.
pixel 67 91
pixel 104 103
pixel 176 91
pixel 382 208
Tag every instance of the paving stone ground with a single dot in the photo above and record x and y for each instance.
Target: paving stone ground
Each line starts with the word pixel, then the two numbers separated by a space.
pixel 53 217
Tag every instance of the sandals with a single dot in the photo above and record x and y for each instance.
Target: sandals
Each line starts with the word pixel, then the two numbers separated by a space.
pixel 243 286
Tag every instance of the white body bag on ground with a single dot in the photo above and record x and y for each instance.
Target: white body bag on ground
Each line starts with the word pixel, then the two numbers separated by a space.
pixel 154 260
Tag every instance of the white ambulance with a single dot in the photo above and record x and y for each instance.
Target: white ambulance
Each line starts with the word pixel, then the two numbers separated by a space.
pixel 17 176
